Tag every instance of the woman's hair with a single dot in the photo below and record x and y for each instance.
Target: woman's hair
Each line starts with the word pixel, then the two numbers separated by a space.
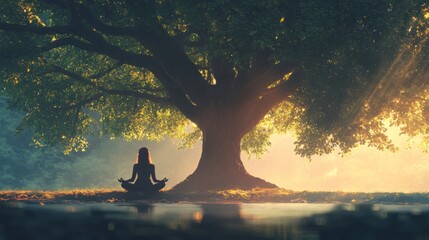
pixel 144 156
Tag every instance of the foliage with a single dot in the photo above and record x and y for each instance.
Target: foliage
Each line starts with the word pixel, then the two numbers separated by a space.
pixel 402 94
pixel 342 49
pixel 26 166
pixel 23 166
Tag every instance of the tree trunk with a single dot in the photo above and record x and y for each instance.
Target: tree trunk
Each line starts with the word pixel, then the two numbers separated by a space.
pixel 220 166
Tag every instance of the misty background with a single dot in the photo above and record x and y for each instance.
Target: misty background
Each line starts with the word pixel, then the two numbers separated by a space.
pixel 23 166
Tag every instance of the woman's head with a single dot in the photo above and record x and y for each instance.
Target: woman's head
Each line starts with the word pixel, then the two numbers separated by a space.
pixel 144 156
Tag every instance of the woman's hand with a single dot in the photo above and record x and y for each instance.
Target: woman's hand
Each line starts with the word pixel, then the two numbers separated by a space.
pixel 121 180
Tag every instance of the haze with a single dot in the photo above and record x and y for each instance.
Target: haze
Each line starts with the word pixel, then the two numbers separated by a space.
pixel 364 169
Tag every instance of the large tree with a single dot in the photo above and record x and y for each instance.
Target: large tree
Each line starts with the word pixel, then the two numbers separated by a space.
pixel 229 72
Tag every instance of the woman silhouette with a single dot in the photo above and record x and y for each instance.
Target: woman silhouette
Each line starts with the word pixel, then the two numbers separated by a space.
pixel 143 170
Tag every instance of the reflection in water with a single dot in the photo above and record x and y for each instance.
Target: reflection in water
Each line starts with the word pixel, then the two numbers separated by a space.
pixel 218 214
pixel 214 221
pixel 145 209
pixel 222 221
pixel 370 222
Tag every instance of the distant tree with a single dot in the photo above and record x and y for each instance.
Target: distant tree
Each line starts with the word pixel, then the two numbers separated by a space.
pixel 21 165
pixel 238 70
pixel 25 166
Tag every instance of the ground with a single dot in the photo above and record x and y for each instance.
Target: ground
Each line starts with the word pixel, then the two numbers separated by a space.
pixel 256 195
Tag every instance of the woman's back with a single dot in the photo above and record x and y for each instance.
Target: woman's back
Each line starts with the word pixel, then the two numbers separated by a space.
pixel 144 172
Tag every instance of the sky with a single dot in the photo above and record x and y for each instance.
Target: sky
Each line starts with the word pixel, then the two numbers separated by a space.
pixel 364 169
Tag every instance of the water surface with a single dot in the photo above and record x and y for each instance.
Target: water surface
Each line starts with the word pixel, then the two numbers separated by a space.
pixel 213 221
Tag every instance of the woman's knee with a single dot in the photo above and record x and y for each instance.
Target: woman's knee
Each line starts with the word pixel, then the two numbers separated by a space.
pixel 159 186
pixel 126 185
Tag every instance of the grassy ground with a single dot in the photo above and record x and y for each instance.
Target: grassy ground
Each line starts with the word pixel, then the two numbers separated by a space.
pixel 233 195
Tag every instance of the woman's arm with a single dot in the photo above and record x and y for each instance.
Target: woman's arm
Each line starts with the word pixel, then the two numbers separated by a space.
pixel 152 173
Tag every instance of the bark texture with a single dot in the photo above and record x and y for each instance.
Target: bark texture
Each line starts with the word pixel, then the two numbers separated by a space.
pixel 220 166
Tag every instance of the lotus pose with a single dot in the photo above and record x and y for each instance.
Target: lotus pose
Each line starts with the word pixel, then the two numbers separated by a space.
pixel 143 170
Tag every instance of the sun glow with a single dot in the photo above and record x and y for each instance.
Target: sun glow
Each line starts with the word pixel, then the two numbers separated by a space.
pixel 364 169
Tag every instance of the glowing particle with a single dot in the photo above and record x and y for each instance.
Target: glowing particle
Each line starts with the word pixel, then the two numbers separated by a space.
pixel 197 217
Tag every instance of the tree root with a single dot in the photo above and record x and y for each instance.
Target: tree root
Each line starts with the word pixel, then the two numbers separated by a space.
pixel 200 183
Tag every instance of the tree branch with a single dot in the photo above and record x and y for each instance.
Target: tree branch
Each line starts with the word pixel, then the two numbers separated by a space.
pixel 260 83
pixel 69 41
pixel 177 73
pixel 180 70
pixel 178 97
pixel 36 30
pixel 107 71
pixel 183 38
pixel 272 98
pixel 153 90
pixel 84 13
pixel 129 93
pixel 83 102
pixel 116 66
pixel 112 51
pixel 261 64
pixel 99 44
pixel 95 41
pixel 224 73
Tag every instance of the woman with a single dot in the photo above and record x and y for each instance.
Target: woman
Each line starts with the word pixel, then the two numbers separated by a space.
pixel 143 170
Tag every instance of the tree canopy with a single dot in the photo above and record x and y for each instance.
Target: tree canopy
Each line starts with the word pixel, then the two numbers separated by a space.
pixel 328 71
